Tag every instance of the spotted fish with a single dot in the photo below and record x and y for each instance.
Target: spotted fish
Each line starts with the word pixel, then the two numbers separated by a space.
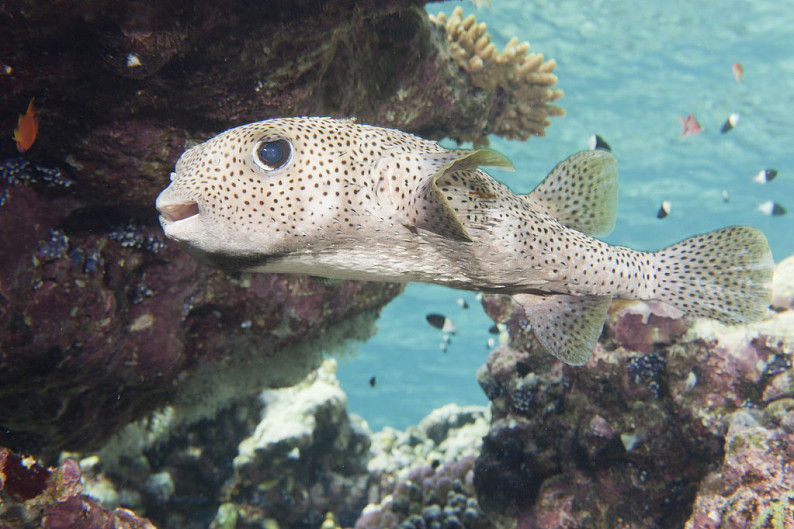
pixel 337 199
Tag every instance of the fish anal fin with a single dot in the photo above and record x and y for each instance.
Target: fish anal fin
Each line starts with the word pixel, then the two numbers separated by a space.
pixel 581 192
pixel 566 326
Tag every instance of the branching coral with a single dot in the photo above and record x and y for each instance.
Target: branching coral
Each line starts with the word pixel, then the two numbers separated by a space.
pixel 521 81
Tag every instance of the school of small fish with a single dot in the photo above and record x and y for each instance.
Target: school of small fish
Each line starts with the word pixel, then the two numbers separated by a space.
pixel 691 127
pixel 337 199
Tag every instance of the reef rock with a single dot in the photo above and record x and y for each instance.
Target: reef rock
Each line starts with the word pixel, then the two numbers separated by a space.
pixel 289 457
pixel 423 477
pixel 102 327
pixel 670 423
pixel 163 76
pixel 306 457
pixel 752 488
pixel 32 495
pixel 283 458
pixel 101 321
pixel 783 285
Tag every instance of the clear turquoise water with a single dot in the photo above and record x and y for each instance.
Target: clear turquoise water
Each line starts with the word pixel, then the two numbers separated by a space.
pixel 628 69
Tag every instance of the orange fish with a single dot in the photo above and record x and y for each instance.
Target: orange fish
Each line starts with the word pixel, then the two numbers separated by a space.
pixel 738 72
pixel 690 126
pixel 27 128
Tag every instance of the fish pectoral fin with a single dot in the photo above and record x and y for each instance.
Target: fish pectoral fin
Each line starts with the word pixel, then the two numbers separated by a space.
pixel 430 210
pixel 433 213
pixel 566 326
pixel 581 192
pixel 406 183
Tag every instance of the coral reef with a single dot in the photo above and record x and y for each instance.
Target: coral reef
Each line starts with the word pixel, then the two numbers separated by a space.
pixel 163 76
pixel 520 84
pixel 782 286
pixel 103 323
pixel 34 496
pixel 306 457
pixel 283 458
pixel 671 423
pixel 95 307
pixel 753 486
pixel 446 434
pixel 436 496
pixel 294 458
pixel 423 477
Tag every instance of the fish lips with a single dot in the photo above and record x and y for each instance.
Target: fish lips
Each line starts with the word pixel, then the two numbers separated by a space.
pixel 176 215
pixel 178 212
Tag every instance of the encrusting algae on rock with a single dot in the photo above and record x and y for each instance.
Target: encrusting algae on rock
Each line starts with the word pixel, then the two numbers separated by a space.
pixel 526 79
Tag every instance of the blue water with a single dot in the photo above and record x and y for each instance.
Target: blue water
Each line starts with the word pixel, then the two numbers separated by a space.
pixel 628 69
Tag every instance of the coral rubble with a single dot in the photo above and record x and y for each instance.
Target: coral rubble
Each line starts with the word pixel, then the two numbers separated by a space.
pixel 521 83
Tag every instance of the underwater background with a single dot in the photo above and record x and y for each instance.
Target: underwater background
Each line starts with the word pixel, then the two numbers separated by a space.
pixel 140 387
pixel 629 70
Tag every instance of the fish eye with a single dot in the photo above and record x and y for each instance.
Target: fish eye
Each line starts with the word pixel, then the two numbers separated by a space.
pixel 272 155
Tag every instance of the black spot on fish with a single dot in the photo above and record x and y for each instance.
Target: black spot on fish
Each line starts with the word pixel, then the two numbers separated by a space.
pixel 373 381
pixel 772 208
pixel 765 175
pixel 731 122
pixel 439 321
pixel 436 320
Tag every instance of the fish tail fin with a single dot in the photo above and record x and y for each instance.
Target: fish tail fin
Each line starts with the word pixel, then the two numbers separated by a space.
pixel 724 275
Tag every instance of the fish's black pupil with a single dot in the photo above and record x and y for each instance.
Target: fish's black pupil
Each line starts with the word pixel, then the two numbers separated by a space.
pixel 273 154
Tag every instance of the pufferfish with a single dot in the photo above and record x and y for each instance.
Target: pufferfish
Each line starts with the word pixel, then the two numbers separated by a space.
pixel 336 199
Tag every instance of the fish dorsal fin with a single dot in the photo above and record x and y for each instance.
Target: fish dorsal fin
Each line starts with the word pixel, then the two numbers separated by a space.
pixel 410 179
pixel 581 192
pixel 568 327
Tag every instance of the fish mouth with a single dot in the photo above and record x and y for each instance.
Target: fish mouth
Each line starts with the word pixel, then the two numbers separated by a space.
pixel 179 211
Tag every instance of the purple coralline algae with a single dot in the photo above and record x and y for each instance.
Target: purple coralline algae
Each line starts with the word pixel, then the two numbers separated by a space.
pixel 103 324
pixel 671 423
pixel 753 488
pixel 34 496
